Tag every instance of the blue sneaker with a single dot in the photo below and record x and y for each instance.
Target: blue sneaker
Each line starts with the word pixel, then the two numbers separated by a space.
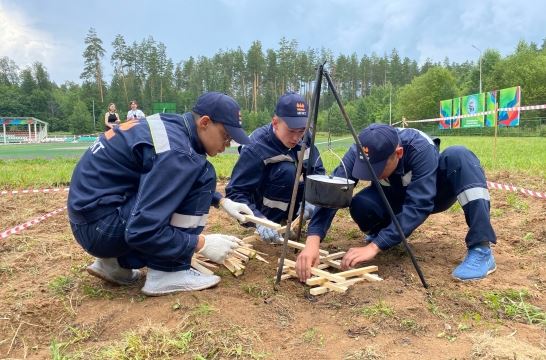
pixel 478 263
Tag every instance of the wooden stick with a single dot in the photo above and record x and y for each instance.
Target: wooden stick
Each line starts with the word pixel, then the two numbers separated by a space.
pixel 319 272
pixel 327 286
pixel 300 246
pixel 359 271
pixel 246 251
pixel 195 264
pixel 207 264
pixel 333 263
pixel 239 255
pixel 334 256
pixel 250 238
pixel 257 220
pixel 335 287
pixel 371 277
pixel 233 268
pixel 258 257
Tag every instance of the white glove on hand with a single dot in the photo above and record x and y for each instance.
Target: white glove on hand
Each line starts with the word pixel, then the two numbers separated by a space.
pixel 308 210
pixel 234 209
pixel 217 247
pixel 269 235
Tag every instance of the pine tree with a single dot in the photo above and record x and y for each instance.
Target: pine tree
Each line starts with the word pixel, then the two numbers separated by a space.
pixel 93 54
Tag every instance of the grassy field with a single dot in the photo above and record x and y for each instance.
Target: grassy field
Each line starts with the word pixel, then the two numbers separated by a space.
pixel 51 164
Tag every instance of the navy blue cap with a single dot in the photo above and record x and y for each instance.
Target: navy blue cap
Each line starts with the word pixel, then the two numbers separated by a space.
pixel 222 109
pixel 379 142
pixel 293 109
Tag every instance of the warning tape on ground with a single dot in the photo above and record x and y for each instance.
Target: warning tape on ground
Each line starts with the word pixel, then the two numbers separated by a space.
pixel 532 193
pixel 521 108
pixel 32 191
pixel 21 227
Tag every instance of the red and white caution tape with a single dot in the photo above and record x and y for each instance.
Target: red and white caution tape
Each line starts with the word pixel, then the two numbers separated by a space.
pixel 498 186
pixel 21 227
pixel 32 191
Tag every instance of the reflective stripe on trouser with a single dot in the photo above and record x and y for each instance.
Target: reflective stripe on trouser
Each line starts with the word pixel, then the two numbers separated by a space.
pixel 106 237
pixel 460 171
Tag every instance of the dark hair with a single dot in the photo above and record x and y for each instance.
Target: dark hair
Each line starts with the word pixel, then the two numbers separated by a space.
pixel 133 102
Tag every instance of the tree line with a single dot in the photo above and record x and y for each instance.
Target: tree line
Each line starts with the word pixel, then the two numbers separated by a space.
pixel 374 88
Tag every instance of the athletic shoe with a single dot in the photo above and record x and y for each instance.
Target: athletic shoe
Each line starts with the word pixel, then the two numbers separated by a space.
pixel 478 263
pixel 160 282
pixel 108 269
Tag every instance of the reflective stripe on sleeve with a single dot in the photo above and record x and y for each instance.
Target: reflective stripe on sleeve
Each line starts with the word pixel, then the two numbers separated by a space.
pixel 473 194
pixel 159 134
pixel 278 158
pixel 188 221
pixel 281 205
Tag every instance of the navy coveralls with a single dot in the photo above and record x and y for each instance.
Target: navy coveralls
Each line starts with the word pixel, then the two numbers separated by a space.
pixel 424 182
pixel 142 192
pixel 264 174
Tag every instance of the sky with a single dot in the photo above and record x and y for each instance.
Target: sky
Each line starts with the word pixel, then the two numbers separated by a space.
pixel 53 32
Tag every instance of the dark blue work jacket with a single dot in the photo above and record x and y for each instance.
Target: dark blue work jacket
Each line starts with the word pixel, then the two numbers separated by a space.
pixel 263 177
pixel 153 171
pixel 415 176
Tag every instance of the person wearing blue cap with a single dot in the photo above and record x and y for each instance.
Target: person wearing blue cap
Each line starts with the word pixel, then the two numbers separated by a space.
pixel 140 197
pixel 417 181
pixel 264 175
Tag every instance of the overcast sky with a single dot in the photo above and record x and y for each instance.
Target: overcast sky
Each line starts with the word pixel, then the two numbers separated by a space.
pixel 53 31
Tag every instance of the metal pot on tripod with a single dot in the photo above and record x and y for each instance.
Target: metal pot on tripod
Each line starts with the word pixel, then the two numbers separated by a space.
pixel 329 191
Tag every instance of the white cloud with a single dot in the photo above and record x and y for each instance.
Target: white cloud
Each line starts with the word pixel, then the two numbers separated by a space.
pixel 20 41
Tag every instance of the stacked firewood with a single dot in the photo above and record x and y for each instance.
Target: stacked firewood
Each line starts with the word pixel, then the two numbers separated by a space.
pixel 235 262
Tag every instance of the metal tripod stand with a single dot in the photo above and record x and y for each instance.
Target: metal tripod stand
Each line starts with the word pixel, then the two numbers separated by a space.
pixel 310 131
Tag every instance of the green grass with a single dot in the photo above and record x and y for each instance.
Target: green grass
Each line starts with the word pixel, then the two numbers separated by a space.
pixel 42 151
pixel 18 174
pixel 52 164
pixel 203 309
pixel 379 310
pixel 313 336
pixel 61 285
pixel 512 304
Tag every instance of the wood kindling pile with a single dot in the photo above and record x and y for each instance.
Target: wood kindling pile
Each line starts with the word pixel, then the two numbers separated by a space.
pixel 235 262
pixel 323 280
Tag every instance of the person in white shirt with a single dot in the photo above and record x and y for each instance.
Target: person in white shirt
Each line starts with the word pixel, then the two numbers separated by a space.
pixel 135 112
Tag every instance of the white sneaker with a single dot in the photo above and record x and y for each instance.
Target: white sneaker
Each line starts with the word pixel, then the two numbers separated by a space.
pixel 109 270
pixel 160 282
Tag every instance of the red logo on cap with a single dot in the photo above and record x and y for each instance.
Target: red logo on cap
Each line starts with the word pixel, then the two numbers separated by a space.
pixel 300 106
pixel 366 152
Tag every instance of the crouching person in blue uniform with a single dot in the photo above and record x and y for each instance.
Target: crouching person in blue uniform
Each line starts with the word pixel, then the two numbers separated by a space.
pixel 263 177
pixel 417 181
pixel 140 197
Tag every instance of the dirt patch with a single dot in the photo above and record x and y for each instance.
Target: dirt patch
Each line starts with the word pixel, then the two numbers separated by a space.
pixel 50 307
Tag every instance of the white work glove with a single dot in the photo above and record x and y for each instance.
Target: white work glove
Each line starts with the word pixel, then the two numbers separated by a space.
pixel 234 209
pixel 217 247
pixel 308 210
pixel 269 235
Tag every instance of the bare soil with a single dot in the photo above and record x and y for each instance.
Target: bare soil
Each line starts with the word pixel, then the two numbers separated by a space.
pixel 50 307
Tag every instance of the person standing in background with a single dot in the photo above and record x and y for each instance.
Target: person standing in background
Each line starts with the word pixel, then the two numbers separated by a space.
pixel 111 117
pixel 135 112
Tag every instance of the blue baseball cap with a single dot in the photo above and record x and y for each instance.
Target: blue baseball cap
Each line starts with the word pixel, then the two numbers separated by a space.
pixel 379 142
pixel 293 109
pixel 222 109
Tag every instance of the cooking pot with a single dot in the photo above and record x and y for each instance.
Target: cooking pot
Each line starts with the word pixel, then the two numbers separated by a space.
pixel 329 191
